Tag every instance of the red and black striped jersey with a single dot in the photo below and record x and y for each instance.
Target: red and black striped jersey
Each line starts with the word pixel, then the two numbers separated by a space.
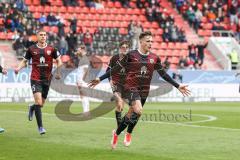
pixel 42 61
pixel 139 71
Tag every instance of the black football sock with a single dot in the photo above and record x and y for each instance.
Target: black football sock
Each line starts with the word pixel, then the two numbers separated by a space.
pixel 118 117
pixel 32 107
pixel 123 125
pixel 133 121
pixel 38 114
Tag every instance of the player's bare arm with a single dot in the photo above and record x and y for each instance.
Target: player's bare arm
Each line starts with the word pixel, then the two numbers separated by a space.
pixel 21 65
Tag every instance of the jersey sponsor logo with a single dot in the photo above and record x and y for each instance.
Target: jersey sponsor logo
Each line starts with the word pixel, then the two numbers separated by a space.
pixel 42 62
pixel 48 52
pixel 151 61
pixel 143 70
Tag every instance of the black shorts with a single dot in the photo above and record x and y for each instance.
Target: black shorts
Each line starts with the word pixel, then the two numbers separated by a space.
pixel 131 96
pixel 41 86
pixel 118 88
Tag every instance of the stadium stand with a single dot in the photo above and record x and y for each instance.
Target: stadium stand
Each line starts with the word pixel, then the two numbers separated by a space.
pixel 101 24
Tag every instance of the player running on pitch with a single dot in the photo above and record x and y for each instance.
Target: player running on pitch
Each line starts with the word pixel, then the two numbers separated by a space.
pixel 140 65
pixel 42 56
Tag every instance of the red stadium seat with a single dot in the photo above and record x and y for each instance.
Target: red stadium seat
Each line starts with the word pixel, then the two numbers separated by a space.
pixel 123 31
pixel 171 45
pixel 36 2
pixel 117 4
pixel 163 45
pixel 47 9
pixel 2 35
pixel 28 2
pixel 63 9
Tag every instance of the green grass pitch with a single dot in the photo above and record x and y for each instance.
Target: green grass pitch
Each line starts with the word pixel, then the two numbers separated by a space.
pixel 203 131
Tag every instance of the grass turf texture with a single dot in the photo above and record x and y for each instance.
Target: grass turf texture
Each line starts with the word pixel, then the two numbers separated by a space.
pixel 157 139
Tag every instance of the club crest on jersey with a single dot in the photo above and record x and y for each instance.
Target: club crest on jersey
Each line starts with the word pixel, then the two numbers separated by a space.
pixel 35 53
pixel 151 61
pixel 48 52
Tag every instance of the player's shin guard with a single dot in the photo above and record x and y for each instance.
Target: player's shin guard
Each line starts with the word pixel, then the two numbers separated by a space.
pixel 133 121
pixel 118 117
pixel 38 114
pixel 123 125
pixel 85 104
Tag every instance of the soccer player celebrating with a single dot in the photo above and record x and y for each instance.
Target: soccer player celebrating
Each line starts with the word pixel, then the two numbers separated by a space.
pixel 3 71
pixel 117 80
pixel 82 74
pixel 42 56
pixel 140 65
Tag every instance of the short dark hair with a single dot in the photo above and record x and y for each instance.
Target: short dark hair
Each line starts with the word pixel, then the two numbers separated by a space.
pixel 144 34
pixel 124 42
pixel 40 30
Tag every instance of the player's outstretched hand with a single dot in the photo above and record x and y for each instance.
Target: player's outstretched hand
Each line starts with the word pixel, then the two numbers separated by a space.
pixel 4 71
pixel 184 90
pixel 93 83
pixel 58 76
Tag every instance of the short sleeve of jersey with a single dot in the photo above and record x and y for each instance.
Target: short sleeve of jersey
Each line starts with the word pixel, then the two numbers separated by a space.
pixel 56 53
pixel 28 54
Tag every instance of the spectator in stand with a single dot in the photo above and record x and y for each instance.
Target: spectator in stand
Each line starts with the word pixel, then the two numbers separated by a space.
pixel 211 15
pixel 88 40
pixel 43 20
pixel 192 52
pixel 166 35
pixel 190 63
pixel 89 3
pixel 72 42
pixel 19 47
pixel 61 31
pixel 140 3
pixel 182 62
pixel 131 26
pixel 198 19
pixel 52 20
pixel 173 34
pixel 233 12
pixel 200 54
pixel 45 2
pixel 150 14
pixel 179 4
pixel 98 4
pixel 125 3
pixel 190 15
pixel 181 35
pixel 70 2
pixel 63 46
pixel 137 30
pixel 166 64
pixel 73 24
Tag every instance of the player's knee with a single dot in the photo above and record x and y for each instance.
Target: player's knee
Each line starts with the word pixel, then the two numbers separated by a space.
pixel 138 111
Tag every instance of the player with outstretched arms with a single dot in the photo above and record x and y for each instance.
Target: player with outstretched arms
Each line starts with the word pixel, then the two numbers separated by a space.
pixel 140 65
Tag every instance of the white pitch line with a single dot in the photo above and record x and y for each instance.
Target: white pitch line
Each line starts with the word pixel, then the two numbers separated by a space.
pixel 152 122
pixel 210 118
